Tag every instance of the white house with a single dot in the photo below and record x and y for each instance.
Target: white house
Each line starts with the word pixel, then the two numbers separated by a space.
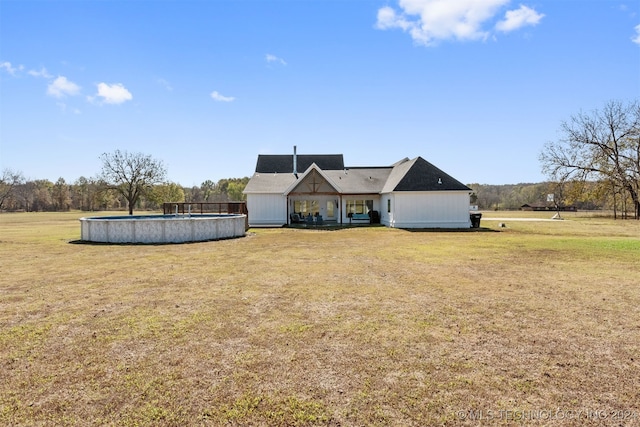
pixel 408 194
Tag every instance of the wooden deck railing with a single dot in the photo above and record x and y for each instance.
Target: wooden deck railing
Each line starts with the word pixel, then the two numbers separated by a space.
pixel 200 208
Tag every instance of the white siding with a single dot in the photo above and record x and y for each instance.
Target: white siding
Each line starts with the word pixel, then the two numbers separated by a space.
pixel 386 217
pixel 442 209
pixel 267 209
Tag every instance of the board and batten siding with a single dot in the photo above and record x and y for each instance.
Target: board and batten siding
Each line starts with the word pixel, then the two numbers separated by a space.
pixel 266 209
pixel 442 209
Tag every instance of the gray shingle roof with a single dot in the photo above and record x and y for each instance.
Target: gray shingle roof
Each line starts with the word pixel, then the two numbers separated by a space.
pixel 269 182
pixel 283 163
pixel 360 180
pixel 419 175
pixel 405 175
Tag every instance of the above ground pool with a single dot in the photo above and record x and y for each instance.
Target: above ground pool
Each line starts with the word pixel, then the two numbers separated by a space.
pixel 162 228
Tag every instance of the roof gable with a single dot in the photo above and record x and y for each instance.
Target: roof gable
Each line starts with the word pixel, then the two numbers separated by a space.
pixel 283 163
pixel 313 180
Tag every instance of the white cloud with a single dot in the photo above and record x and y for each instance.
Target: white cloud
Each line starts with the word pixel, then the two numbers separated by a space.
pixel 518 18
pixel 62 87
pixel 10 68
pixel 387 18
pixel 272 58
pixel 63 108
pixel 630 11
pixel 42 73
pixel 219 97
pixel 113 93
pixel 430 21
pixel 636 38
pixel 165 84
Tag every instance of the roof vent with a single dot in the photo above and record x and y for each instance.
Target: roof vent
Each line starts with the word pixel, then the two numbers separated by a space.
pixel 439 180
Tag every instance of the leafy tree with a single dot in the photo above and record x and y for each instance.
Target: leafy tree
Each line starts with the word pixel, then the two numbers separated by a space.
pixel 61 196
pixel 40 195
pixel 208 188
pixel 235 190
pixel 165 193
pixel 191 194
pixel 602 145
pixel 84 194
pixel 221 186
pixel 131 175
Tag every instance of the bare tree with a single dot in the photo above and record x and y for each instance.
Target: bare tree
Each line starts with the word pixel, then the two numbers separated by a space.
pixel 604 145
pixel 8 182
pixel 131 175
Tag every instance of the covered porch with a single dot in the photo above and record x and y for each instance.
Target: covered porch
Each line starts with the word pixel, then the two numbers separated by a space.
pixel 313 199
pixel 313 208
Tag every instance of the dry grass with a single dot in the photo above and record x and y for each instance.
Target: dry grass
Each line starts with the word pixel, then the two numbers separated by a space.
pixel 369 326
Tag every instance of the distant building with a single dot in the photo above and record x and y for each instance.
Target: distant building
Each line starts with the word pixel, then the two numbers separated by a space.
pixel 408 194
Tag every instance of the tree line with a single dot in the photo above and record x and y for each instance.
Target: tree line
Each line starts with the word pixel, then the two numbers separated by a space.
pixel 90 194
pixel 595 164
pixel 94 194
pixel 581 195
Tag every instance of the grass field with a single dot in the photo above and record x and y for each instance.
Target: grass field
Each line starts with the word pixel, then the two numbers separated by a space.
pixel 535 323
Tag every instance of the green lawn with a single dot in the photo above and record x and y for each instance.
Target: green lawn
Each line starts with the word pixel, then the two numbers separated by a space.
pixel 536 322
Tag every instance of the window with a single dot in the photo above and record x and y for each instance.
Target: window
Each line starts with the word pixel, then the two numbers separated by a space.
pixel 306 206
pixel 330 209
pixel 389 205
pixel 359 206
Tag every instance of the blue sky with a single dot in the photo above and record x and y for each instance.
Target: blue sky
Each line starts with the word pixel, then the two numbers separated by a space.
pixel 474 86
